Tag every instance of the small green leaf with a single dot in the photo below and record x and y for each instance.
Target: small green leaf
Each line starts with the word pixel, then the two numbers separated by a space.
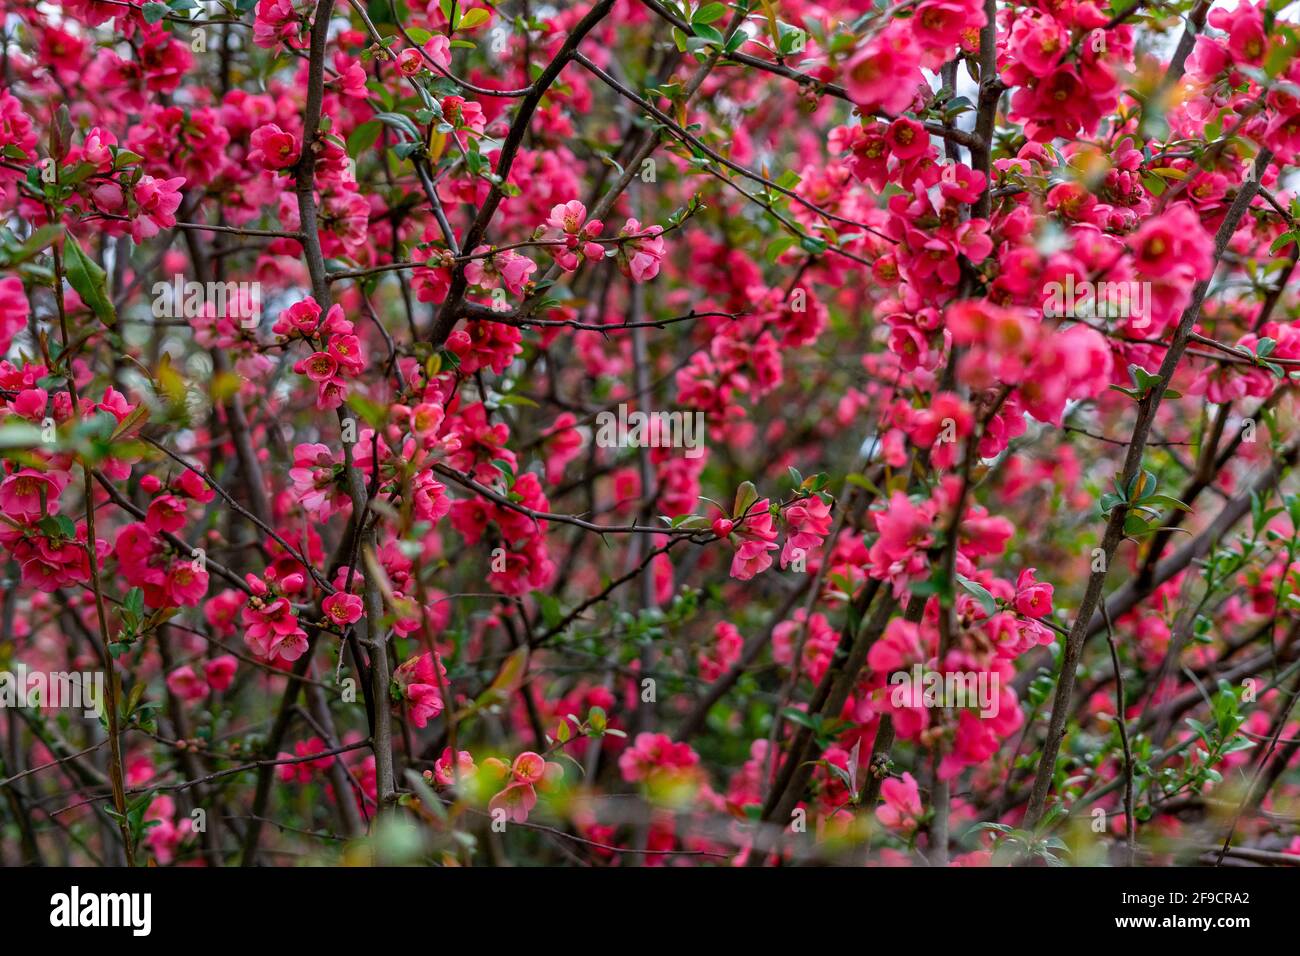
pixel 473 18
pixel 1168 501
pixel 708 13
pixel 981 594
pixel 746 495
pixel 89 280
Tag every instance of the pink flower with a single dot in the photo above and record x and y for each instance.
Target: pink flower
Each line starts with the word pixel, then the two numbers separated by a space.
pixel 714 661
pixel 1175 242
pixel 907 138
pixel 220 672
pixel 192 486
pixel 757 534
pixel 516 801
pixel 883 73
pixel 319 366
pixel 346 351
pixel 568 224
pixel 438 47
pixel 563 444
pixel 164 836
pixel 410 61
pixel 1039 42
pixel 315 475
pixel 463 114
pixel 1244 26
pixel 425 419
pixel 568 217
pixel 418 684
pixel 331 393
pixel 185 584
pixel 31 494
pixel 809 522
pixel 902 807
pixel 819 643
pixel 273 148
pixel 940 24
pixel 303 771
pixel 166 513
pixel 528 767
pixel 897 649
pixel 271 627
pixel 656 755
pixel 506 267
pixel 639 258
pixel 342 608
pixel 16 127
pixel 302 317
pixel 30 404
pixel 962 184
pixel 946 420
pixel 1033 598
pixel 14 310
pixel 528 771
pixel 429 497
pixel 96 149
pixel 443 772
pixel 186 685
pixel 156 200
pixel 277 22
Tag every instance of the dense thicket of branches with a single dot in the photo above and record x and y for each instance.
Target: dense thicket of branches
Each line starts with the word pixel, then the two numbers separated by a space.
pixel 648 432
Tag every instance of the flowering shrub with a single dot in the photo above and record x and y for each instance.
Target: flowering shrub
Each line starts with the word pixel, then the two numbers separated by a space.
pixel 989 550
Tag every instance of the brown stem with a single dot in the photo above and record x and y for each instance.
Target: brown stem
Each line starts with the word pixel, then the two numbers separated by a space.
pixel 1114 532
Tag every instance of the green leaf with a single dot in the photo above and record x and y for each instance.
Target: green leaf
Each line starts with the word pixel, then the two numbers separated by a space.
pixel 1169 501
pixel 19 435
pixel 746 495
pixel 85 275
pixel 981 594
pixel 426 794
pixel 134 602
pixel 1154 184
pixel 813 245
pixel 523 400
pixel 400 123
pixel 1135 524
pixel 35 244
pixel 708 33
pixel 800 717
pixel 473 18
pixel 363 137
pixel 708 13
